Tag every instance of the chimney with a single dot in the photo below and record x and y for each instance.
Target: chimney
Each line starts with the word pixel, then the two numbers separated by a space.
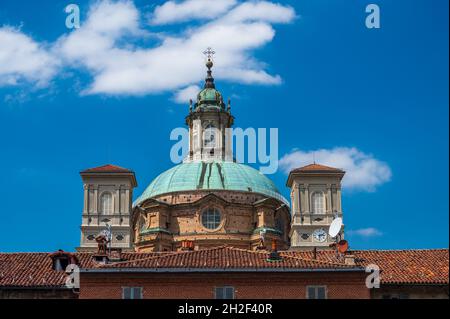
pixel 187 245
pixel 274 245
pixel 314 253
pixel 274 255
pixel 100 259
pixel 349 259
pixel 116 254
pixel 61 259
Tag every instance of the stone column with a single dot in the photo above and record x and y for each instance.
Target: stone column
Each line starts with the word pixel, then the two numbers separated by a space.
pixel 339 202
pixel 302 202
pixel 228 144
pixel 307 208
pixel 296 204
pixel 329 208
pixel 221 145
pixel 127 201
pixel 86 199
pixel 191 146
pixel 117 201
pixel 95 199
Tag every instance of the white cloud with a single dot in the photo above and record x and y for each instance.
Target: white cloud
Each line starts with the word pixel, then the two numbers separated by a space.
pixel 176 12
pixel 172 64
pixel 363 171
pixel 186 94
pixel 365 232
pixel 24 60
pixel 124 58
pixel 260 11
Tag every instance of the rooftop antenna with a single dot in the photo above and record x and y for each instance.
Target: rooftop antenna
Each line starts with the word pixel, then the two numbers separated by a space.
pixel 334 231
pixel 314 157
pixel 335 227
pixel 262 238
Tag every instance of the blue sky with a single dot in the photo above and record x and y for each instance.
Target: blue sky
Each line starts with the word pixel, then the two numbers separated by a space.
pixel 374 101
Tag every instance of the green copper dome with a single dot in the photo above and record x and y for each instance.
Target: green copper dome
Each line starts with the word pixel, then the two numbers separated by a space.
pixel 210 97
pixel 211 176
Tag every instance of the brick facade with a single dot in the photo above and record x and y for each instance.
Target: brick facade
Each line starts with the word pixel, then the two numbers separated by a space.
pixel 339 285
pixel 409 274
pixel 161 224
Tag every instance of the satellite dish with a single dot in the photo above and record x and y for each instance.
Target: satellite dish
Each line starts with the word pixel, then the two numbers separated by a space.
pixel 342 246
pixel 335 227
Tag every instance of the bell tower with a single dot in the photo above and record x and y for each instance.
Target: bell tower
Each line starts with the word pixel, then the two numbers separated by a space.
pixel 316 202
pixel 208 121
pixel 108 193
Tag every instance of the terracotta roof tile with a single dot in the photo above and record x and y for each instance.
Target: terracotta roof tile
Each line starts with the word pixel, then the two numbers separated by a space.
pixel 225 257
pixel 317 168
pixel 29 269
pixel 397 266
pixel 35 269
pixel 409 266
pixel 108 168
pixel 415 266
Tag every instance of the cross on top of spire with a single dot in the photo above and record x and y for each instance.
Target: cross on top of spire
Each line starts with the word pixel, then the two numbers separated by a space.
pixel 209 52
pixel 209 81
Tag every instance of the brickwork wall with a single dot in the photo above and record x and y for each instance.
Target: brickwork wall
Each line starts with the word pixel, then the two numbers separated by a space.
pixel 192 196
pixel 238 221
pixel 247 285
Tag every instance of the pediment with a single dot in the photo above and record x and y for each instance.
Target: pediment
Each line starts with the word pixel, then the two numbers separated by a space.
pixel 211 198
pixel 269 202
pixel 151 203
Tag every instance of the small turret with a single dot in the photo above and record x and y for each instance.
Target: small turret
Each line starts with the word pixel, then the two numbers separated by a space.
pixel 208 119
pixel 209 97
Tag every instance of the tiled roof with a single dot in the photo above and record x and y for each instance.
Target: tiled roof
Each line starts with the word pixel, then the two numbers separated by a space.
pixel 29 270
pixel 414 266
pixel 317 168
pixel 108 168
pixel 225 257
pixel 35 269
pixel 427 266
pixel 397 266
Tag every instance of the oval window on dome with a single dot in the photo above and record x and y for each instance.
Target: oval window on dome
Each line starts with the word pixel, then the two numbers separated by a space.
pixel 211 218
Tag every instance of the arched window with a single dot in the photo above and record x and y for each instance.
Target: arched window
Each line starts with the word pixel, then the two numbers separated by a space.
pixel 209 139
pixel 211 218
pixel 318 203
pixel 106 204
pixel 142 223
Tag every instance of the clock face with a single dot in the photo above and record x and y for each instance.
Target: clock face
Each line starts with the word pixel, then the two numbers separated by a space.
pixel 320 235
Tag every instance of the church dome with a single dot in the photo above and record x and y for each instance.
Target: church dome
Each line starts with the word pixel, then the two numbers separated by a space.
pixel 210 97
pixel 197 176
